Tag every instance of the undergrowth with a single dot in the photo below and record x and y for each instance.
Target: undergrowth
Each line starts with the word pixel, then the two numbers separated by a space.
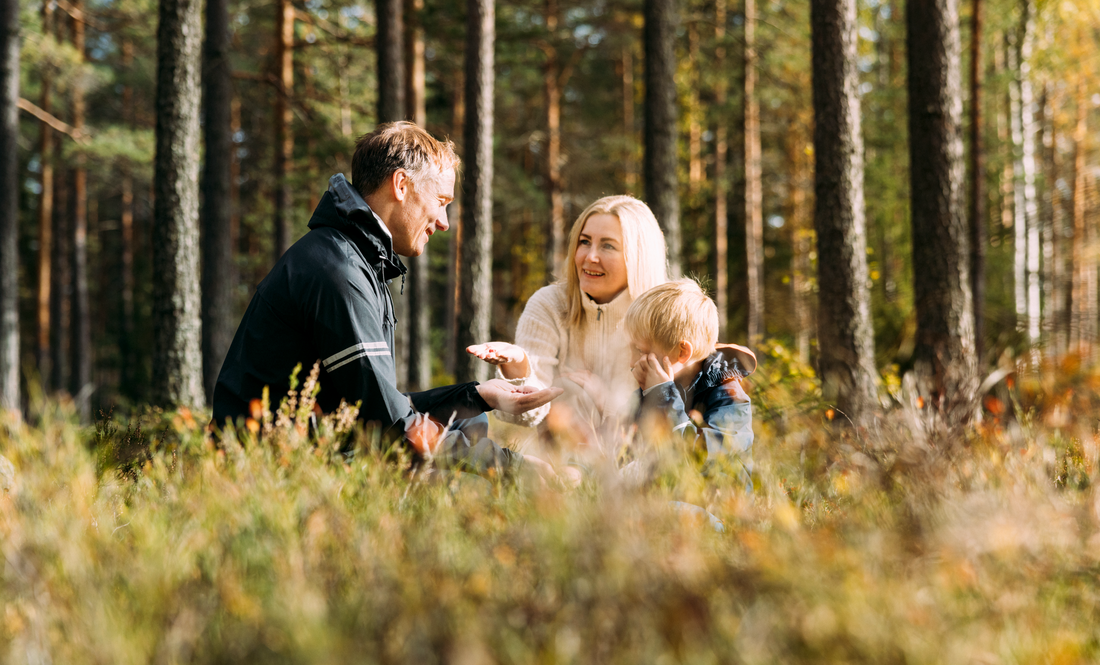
pixel 142 539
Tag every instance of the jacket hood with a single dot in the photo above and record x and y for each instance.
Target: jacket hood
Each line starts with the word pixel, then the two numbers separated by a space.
pixel 728 362
pixel 344 209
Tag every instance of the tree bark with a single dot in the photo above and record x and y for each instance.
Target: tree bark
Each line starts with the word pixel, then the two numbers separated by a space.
pixel 391 61
pixel 177 335
pixel 1083 326
pixel 696 172
pixel 9 206
pixel 218 274
pixel 721 188
pixel 475 303
pixel 420 301
pixel 977 180
pixel 1028 171
pixel 754 195
pixel 555 248
pixel 454 250
pixel 126 224
pixel 45 222
pixel 846 351
pixel 284 137
pixel 630 166
pixel 60 283
pixel 944 350
pixel 80 386
pixel 660 167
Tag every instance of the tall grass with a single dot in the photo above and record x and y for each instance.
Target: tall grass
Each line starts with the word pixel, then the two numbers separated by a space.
pixel 143 542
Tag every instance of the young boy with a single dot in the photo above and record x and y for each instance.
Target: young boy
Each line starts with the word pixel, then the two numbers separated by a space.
pixel 688 380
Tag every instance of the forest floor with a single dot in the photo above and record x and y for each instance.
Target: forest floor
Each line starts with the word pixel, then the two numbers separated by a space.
pixel 138 541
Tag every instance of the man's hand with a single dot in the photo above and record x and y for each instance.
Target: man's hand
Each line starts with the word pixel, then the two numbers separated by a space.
pixel 515 400
pixel 511 359
pixel 649 371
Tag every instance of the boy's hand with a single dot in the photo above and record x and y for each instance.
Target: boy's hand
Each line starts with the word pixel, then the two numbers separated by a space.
pixel 650 372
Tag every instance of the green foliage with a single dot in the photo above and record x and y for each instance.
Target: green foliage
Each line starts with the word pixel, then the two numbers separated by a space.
pixel 856 546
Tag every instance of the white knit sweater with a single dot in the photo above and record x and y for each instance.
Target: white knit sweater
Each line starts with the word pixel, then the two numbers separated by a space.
pixel 600 346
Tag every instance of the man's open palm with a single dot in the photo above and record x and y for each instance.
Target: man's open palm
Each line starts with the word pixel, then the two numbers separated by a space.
pixel 505 397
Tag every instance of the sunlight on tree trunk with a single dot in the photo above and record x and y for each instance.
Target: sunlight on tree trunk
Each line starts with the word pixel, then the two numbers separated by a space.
pixel 420 301
pixel 80 381
pixel 284 135
pixel 721 189
pixel 9 205
pixel 754 194
pixel 661 164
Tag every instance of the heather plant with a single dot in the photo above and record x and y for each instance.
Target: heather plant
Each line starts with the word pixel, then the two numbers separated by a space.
pixel 274 545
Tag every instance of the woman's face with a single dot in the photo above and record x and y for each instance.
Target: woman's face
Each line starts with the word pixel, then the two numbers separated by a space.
pixel 601 266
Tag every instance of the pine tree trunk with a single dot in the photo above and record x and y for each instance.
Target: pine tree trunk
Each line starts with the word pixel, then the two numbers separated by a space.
pixel 696 173
pixel 475 303
pixel 754 195
pixel 721 189
pixel 284 137
pixel 660 167
pixel 977 180
pixel 61 284
pixel 630 166
pixel 454 250
pixel 420 301
pixel 45 222
pixel 126 224
pixel 1083 327
pixel 944 351
pixel 9 206
pixel 846 350
pixel 80 385
pixel 555 249
pixel 177 334
pixel 218 274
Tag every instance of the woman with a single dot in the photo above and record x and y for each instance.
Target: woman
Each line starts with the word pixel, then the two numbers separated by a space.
pixel 570 332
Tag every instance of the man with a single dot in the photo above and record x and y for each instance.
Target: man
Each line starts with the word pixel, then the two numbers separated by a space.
pixel 326 299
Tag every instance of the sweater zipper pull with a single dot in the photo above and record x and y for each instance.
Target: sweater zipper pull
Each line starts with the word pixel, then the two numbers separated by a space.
pixel 599 313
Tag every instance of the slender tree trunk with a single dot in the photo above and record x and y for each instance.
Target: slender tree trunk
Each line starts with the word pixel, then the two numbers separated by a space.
pixel 977 180
pixel 81 321
pixel 218 274
pixel 696 172
pixel 1055 250
pixel 721 187
pixel 126 223
pixel 177 334
pixel 61 284
pixel 754 194
pixel 944 350
pixel 475 304
pixel 1019 206
pixel 802 285
pixel 846 350
pixel 1083 327
pixel 454 250
pixel 630 167
pixel 284 136
pixel 420 301
pixel 45 221
pixel 1030 195
pixel 9 206
pixel 555 253
pixel 661 188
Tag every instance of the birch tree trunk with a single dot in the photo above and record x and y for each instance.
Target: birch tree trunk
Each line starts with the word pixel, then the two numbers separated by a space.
pixel 944 349
pixel 846 350
pixel 1019 204
pixel 218 274
pixel 475 302
pixel 660 167
pixel 754 196
pixel 9 206
pixel 177 334
pixel 420 305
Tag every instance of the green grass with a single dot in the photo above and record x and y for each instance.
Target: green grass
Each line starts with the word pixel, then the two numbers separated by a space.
pixel 882 545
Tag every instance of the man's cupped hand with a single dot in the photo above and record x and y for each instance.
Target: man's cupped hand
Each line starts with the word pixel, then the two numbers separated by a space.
pixel 505 397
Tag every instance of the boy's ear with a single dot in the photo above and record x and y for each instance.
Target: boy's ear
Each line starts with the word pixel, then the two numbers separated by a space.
pixel 687 350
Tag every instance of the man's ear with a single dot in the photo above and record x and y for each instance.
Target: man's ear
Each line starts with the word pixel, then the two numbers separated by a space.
pixel 400 184
pixel 687 350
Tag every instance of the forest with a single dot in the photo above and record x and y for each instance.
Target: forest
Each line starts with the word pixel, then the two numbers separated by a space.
pixel 725 130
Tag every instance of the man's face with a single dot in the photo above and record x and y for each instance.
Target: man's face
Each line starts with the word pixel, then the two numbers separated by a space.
pixel 422 212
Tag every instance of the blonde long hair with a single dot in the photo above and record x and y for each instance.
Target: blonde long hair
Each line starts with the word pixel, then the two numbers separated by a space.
pixel 644 251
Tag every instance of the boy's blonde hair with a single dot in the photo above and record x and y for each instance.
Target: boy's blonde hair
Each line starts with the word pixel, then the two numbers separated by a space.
pixel 643 250
pixel 674 312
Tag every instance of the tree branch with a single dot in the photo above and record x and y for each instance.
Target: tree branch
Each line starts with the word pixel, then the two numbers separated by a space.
pixel 78 135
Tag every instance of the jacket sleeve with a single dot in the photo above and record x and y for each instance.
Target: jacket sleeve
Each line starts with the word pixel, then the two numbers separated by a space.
pixel 723 430
pixel 460 401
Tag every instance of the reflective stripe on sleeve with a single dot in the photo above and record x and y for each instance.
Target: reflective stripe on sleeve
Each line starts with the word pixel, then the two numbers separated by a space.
pixel 355 352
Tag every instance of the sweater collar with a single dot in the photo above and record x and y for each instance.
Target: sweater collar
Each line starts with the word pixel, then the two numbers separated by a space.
pixel 614 310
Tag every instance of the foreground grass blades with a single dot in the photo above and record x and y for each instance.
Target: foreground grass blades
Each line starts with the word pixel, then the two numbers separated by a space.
pixel 872 546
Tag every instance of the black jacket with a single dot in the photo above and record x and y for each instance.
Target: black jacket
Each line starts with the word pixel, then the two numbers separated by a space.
pixel 326 299
pixel 721 431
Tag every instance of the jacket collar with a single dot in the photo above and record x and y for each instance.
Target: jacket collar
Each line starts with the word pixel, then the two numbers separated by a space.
pixel 344 209
pixel 728 362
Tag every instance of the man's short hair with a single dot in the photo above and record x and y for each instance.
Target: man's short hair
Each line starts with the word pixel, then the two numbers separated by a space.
pixel 674 312
pixel 398 145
